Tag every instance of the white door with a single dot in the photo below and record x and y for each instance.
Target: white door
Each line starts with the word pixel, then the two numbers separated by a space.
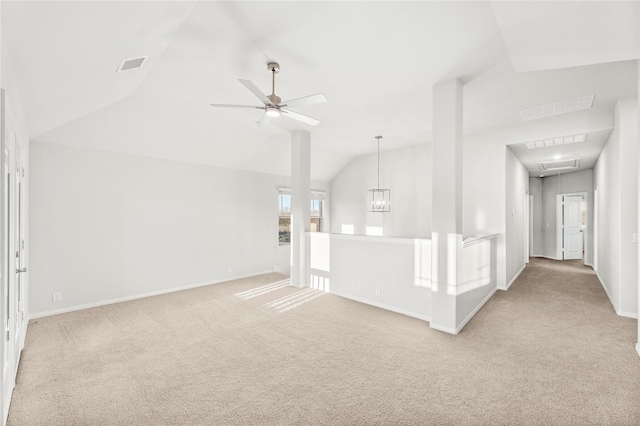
pixel 572 227
pixel 12 250
pixel 19 246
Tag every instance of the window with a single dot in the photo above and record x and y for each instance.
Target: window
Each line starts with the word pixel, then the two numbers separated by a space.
pixel 284 221
pixel 284 215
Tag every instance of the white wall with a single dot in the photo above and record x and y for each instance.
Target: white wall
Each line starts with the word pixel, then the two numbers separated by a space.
pixel 406 172
pixel 106 226
pixel 517 191
pixel 483 194
pixel 615 176
pixel 359 264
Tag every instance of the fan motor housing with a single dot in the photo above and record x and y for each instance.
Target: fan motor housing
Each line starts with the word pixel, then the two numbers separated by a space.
pixel 275 99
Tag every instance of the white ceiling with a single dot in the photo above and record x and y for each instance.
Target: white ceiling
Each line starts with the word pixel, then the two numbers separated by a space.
pixel 375 61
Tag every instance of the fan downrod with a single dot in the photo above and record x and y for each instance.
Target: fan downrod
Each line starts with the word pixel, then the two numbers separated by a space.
pixel 274 68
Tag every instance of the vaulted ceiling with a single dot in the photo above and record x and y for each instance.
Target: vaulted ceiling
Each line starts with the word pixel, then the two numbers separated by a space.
pixel 376 62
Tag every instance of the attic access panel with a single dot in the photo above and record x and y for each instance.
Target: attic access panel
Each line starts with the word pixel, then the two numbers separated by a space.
pixel 572 163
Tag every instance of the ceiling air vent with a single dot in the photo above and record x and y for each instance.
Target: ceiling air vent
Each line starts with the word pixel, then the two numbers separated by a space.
pixel 558 108
pixel 133 63
pixel 562 140
pixel 572 163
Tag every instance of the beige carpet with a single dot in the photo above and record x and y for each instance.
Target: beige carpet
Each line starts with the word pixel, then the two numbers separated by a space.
pixel 549 351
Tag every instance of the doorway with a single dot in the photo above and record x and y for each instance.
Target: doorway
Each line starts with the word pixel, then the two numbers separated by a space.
pixel 571 226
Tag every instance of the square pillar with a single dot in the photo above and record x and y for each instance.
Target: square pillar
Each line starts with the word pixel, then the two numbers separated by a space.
pixel 300 207
pixel 446 209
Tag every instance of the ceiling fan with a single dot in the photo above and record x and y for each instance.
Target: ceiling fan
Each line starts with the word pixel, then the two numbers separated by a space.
pixel 273 105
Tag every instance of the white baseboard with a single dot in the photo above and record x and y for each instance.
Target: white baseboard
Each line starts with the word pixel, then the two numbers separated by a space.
pixel 443 328
pixel 475 310
pixel 627 314
pixel 619 312
pixel 606 290
pixel 139 296
pixel 383 306
pixel 546 257
pixel 514 278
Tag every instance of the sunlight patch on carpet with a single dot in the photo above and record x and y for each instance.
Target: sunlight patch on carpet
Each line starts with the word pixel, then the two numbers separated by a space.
pixel 294 300
pixel 259 291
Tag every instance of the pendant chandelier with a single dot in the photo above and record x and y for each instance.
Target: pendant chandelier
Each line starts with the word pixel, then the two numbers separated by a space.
pixel 379 200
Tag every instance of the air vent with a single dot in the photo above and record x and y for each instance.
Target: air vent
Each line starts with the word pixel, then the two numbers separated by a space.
pixel 562 140
pixel 572 163
pixel 133 63
pixel 558 108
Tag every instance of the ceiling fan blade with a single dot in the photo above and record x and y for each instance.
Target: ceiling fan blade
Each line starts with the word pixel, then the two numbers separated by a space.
pixel 254 89
pixel 300 117
pixel 235 106
pixel 264 121
pixel 307 100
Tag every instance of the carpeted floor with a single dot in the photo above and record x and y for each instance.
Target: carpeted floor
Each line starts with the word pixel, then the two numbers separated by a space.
pixel 548 351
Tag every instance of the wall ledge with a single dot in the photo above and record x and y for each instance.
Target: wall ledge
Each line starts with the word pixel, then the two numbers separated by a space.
pixel 139 296
pixel 638 348
pixel 378 239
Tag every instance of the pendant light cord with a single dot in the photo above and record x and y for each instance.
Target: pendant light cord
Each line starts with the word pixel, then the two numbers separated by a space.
pixel 378 137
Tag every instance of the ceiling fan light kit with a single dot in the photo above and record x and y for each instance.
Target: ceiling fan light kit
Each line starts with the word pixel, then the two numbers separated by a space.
pixel 273 106
pixel 379 200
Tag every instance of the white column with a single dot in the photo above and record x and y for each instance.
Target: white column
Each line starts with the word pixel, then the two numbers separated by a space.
pixel 446 208
pixel 300 206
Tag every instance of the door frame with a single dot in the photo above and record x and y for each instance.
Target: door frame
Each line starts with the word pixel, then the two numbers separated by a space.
pixel 585 246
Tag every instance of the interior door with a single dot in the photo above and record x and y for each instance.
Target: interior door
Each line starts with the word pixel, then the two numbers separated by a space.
pixel 572 227
pixel 20 268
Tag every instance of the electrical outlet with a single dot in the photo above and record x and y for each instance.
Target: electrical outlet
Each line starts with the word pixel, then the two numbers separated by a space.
pixel 377 291
pixel 56 297
pixel 229 268
pixel 359 286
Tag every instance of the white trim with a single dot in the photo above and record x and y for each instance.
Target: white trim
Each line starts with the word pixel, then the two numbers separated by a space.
pixel 475 311
pixel 7 403
pixel 443 328
pixel 606 290
pixel 615 308
pixel 140 296
pixel 475 240
pixel 383 306
pixel 514 278
pixel 546 257
pixel 372 238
